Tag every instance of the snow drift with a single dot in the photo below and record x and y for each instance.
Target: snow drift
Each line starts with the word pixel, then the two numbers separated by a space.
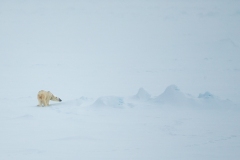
pixel 109 101
pixel 142 95
pixel 172 96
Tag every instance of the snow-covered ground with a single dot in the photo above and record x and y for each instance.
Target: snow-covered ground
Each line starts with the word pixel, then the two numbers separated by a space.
pixel 138 79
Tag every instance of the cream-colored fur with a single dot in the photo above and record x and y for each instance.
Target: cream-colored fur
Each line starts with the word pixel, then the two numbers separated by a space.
pixel 45 96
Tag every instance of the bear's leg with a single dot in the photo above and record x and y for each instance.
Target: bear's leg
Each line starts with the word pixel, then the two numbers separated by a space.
pixel 47 102
pixel 39 102
pixel 44 103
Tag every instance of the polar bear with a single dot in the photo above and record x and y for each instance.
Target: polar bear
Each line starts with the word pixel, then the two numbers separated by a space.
pixel 45 96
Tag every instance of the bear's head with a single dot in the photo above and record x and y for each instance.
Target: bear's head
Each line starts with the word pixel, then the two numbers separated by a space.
pixel 54 98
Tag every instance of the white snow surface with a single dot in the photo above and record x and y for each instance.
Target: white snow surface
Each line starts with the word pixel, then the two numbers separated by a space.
pixel 140 80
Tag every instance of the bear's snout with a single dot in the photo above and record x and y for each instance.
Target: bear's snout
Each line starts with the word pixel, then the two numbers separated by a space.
pixel 60 100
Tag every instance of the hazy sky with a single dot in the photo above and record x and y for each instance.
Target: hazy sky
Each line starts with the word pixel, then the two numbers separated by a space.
pixel 151 44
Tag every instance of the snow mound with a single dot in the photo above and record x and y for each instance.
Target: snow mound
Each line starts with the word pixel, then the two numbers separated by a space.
pixel 109 101
pixel 142 95
pixel 206 95
pixel 173 95
pixel 209 100
pixel 78 102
